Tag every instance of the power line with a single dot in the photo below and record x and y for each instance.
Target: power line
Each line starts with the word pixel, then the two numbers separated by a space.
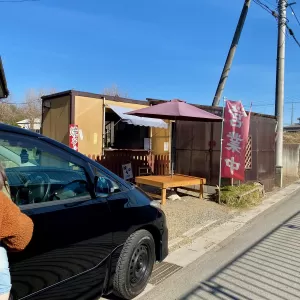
pixel 275 14
pixel 264 6
pixel 12 103
pixel 270 3
pixel 291 32
pixel 294 14
pixel 271 104
pixel 17 1
pixel 268 9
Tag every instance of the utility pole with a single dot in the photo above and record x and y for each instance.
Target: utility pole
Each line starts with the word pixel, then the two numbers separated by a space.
pixel 282 5
pixel 231 53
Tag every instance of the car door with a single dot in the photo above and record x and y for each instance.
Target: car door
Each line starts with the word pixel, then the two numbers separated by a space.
pixel 129 207
pixel 72 239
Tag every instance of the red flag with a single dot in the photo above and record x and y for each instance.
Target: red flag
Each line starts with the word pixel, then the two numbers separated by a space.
pixel 73 136
pixel 235 138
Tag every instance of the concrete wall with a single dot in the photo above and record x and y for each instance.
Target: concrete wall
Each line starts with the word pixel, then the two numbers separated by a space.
pixel 291 160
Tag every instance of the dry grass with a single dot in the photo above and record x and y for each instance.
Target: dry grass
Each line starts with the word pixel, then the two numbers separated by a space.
pixel 291 138
pixel 230 196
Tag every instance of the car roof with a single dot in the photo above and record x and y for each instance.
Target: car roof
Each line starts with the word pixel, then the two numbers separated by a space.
pixel 26 132
pixel 9 128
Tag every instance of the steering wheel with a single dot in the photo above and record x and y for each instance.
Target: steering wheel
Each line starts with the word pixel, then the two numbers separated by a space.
pixel 38 186
pixel 70 190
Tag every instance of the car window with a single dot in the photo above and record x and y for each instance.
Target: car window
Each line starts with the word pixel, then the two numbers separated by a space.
pixel 105 185
pixel 37 172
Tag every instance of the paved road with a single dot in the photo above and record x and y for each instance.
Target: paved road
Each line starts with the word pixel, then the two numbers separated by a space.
pixel 261 261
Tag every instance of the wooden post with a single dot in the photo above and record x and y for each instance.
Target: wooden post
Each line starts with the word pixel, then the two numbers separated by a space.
pixel 163 196
pixel 201 189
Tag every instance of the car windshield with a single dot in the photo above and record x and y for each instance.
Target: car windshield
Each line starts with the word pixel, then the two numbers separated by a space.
pixel 23 154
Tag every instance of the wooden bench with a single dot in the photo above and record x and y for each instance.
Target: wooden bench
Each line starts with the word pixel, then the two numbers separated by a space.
pixel 166 182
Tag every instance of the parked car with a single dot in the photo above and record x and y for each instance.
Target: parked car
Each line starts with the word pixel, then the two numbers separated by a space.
pixel 94 233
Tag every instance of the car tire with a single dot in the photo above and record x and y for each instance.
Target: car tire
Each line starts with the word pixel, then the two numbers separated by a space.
pixel 135 265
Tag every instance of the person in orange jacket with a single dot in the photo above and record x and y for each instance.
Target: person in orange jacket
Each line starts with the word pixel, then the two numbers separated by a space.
pixel 15 234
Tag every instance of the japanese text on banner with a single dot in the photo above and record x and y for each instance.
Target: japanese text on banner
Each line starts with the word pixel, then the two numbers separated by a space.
pixel 73 136
pixel 235 138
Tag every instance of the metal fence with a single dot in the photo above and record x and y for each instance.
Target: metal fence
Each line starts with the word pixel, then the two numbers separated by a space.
pixel 197 149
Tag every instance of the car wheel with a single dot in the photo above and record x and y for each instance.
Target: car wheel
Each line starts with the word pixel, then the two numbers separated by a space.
pixel 135 265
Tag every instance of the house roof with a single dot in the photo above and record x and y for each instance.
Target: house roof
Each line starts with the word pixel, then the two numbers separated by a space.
pixel 92 95
pixel 294 127
pixel 3 84
pixel 149 101
pixel 27 121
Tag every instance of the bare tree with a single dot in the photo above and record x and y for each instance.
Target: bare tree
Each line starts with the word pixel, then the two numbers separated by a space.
pixel 114 91
pixel 9 112
pixel 32 108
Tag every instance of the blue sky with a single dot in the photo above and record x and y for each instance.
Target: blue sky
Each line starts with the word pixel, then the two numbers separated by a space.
pixel 160 48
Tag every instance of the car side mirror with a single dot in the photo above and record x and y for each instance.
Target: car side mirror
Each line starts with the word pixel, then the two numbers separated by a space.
pixel 103 186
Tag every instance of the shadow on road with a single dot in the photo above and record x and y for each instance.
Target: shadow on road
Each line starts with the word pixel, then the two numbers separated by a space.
pixel 270 269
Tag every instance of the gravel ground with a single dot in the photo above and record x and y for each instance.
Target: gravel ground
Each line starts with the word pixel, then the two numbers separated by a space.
pixel 190 211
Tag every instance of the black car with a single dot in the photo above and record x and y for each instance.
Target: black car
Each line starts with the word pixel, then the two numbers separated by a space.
pixel 94 233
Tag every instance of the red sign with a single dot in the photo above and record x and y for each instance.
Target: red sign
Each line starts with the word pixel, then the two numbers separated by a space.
pixel 235 138
pixel 73 136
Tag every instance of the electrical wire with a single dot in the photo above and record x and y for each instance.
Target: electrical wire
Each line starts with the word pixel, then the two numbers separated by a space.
pixel 264 6
pixel 11 103
pixel 17 1
pixel 275 14
pixel 272 104
pixel 291 32
pixel 294 14
pixel 270 3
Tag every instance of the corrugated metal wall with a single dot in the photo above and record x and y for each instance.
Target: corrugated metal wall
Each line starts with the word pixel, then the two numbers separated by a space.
pixel 198 149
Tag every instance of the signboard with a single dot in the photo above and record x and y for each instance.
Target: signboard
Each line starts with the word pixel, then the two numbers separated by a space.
pixel 73 136
pixel 235 137
pixel 127 171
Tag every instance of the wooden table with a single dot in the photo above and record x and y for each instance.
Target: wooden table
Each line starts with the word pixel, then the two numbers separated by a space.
pixel 175 181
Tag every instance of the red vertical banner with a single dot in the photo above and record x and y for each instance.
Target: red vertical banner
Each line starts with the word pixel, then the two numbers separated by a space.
pixel 73 136
pixel 235 138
